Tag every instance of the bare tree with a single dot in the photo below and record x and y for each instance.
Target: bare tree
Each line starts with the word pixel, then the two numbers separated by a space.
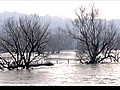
pixel 116 51
pixel 22 38
pixel 96 38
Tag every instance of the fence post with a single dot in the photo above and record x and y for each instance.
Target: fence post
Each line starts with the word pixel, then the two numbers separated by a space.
pixel 57 61
pixel 68 61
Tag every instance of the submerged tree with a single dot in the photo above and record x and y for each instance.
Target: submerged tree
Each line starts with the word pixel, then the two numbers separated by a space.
pixel 96 38
pixel 21 39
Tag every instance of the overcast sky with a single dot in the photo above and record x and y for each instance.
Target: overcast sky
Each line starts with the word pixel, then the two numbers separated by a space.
pixel 109 9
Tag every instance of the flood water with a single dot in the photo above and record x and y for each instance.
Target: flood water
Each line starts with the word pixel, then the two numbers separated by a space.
pixel 72 74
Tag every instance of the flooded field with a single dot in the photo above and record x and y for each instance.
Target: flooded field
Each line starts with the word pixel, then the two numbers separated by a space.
pixel 64 74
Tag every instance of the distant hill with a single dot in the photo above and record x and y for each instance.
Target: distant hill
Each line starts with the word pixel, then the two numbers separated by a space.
pixel 55 21
pixel 116 22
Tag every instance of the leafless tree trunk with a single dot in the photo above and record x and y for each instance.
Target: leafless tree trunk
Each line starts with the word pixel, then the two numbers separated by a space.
pixel 97 37
pixel 22 38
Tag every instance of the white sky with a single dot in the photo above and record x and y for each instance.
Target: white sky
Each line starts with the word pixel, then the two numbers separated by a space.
pixel 109 9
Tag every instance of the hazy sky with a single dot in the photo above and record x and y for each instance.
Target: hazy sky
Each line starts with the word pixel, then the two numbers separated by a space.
pixel 109 9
